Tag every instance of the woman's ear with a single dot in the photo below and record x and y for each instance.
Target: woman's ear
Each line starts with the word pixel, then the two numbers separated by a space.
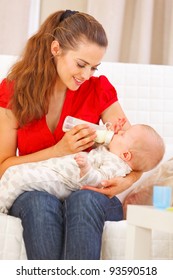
pixel 126 156
pixel 55 48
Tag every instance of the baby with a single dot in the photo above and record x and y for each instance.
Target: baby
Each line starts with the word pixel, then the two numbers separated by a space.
pixel 139 148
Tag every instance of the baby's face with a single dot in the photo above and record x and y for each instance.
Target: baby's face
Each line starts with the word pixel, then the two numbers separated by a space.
pixel 124 140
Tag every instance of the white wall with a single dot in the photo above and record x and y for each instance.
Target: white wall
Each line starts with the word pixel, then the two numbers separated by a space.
pixel 48 7
pixel 139 31
pixel 18 20
pixel 14 16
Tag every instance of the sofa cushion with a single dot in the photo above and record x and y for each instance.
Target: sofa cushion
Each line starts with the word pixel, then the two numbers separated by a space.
pixel 11 238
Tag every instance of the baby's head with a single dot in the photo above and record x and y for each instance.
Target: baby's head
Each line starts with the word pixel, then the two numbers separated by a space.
pixel 140 146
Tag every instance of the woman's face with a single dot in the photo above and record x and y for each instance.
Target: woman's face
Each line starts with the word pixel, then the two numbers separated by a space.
pixel 74 67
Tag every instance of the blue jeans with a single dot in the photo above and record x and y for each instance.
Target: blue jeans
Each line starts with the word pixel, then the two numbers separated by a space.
pixel 70 230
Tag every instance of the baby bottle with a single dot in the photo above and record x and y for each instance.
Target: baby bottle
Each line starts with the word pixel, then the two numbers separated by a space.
pixel 104 136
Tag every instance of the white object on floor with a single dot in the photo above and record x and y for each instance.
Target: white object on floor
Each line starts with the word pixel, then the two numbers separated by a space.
pixel 141 221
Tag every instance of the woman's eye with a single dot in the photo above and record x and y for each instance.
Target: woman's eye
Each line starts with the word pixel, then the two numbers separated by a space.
pixel 80 65
pixel 83 66
pixel 94 68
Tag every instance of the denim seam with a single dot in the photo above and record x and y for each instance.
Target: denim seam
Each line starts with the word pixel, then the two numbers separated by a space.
pixel 65 231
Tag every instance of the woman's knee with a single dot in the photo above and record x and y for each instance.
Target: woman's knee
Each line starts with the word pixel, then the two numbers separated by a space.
pixel 35 203
pixel 85 203
pixel 95 204
pixel 85 199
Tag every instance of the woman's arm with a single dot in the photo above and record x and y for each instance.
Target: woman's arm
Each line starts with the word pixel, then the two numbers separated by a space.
pixel 113 113
pixel 77 139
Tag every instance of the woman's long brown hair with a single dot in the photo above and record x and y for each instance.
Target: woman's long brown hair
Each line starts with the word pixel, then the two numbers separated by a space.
pixel 34 74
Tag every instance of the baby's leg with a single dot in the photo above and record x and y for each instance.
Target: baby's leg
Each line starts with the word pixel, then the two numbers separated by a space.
pixel 83 163
pixel 21 178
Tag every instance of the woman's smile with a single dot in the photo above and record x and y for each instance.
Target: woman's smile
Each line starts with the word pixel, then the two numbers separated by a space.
pixel 78 82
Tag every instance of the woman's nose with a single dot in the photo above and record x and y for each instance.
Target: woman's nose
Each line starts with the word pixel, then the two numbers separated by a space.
pixel 86 73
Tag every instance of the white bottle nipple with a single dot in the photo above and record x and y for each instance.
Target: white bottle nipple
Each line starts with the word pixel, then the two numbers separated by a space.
pixel 109 136
pixel 104 136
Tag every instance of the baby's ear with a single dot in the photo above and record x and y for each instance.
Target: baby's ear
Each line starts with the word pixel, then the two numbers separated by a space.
pixel 126 156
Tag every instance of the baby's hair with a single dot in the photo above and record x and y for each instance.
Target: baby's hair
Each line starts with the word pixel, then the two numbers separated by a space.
pixel 148 151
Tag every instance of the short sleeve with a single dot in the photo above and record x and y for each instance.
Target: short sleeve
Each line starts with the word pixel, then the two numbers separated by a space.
pixel 106 92
pixel 6 90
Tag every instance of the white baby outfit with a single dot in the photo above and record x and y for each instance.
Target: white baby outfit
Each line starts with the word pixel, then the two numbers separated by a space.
pixel 59 176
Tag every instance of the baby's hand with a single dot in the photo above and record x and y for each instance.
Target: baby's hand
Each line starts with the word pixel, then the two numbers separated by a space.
pixel 82 162
pixel 81 159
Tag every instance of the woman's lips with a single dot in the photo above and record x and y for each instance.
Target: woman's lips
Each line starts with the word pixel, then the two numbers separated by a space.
pixel 78 81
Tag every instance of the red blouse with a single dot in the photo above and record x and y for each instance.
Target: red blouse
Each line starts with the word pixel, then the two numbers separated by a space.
pixel 87 103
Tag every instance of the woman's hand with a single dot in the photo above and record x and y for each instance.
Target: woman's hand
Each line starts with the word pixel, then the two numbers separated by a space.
pixel 119 125
pixel 116 185
pixel 79 138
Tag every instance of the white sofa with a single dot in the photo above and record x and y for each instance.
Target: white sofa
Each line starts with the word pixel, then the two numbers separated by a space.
pixel 146 94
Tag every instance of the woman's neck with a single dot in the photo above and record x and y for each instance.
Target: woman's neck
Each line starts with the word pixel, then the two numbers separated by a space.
pixel 55 106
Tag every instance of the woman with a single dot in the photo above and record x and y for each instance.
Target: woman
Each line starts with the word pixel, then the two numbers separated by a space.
pixel 53 79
